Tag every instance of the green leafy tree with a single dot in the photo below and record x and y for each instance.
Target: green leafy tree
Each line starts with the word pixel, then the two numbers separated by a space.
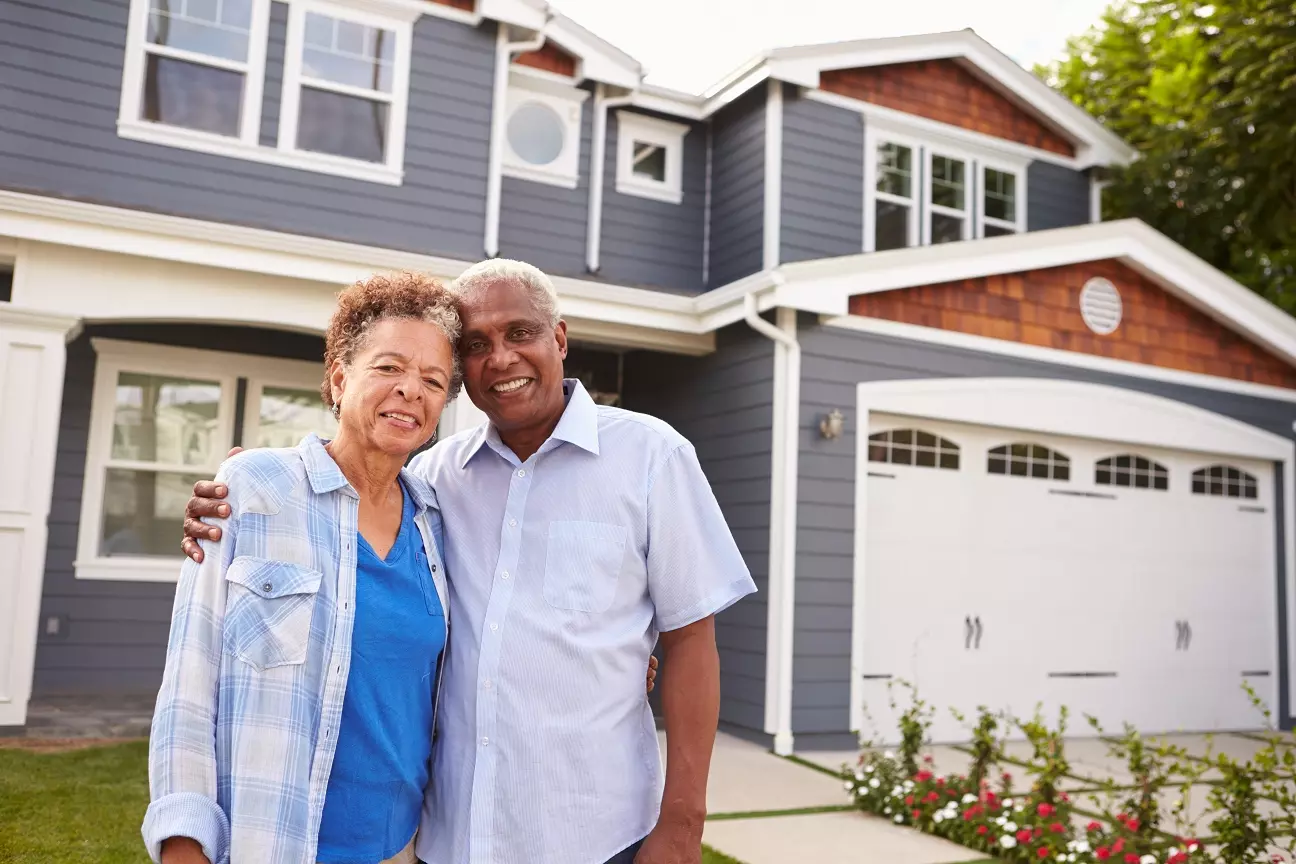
pixel 1206 92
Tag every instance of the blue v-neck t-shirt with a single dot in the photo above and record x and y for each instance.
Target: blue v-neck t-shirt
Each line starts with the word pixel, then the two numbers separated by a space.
pixel 375 788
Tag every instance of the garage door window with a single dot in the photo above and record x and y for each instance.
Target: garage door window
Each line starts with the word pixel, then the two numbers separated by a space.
pixel 913 447
pixel 1224 481
pixel 1028 460
pixel 1132 471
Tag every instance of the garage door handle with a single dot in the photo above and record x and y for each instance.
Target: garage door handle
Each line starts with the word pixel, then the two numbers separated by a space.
pixel 967 632
pixel 1188 635
pixel 978 633
pixel 1179 635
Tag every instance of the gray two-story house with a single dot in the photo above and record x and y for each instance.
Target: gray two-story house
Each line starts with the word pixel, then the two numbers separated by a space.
pixel 965 433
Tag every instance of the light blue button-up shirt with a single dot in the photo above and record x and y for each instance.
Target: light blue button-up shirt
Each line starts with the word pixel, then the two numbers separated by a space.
pixel 247 716
pixel 563 570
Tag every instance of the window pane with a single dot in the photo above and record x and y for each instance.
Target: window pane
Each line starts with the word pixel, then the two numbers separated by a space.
pixel 948 182
pixel 192 95
pixel 945 229
pixel 536 133
pixel 342 125
pixel 345 52
pixel 1000 195
pixel 287 416
pixel 649 161
pixel 143 511
pixel 892 226
pixel 925 458
pixel 159 418
pixel 202 26
pixel 997 231
pixel 895 170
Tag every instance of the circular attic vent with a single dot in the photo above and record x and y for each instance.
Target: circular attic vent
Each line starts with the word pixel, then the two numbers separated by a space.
pixel 1100 306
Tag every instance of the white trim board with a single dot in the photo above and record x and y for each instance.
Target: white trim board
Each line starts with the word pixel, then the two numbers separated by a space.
pixel 1072 409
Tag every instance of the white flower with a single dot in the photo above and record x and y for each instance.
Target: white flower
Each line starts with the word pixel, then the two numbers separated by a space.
pixel 888 755
pixel 908 784
pixel 1000 821
pixel 887 812
pixel 1019 808
pixel 938 817
pixel 1007 841
pixel 969 798
pixel 1148 859
pixel 899 818
pixel 869 769
pixel 1010 827
pixel 859 775
pixel 1192 847
pixel 1082 845
pixel 850 787
pixel 1007 802
pixel 873 784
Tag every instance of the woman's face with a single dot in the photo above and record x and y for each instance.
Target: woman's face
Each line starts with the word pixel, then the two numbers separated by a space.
pixel 392 394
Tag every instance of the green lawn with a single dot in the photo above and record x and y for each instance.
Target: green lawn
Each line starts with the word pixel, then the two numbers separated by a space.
pixel 86 806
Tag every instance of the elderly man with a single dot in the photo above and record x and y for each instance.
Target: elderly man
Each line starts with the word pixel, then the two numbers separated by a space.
pixel 577 536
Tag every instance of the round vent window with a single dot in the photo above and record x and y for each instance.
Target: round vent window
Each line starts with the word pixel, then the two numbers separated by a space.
pixel 1100 306
pixel 536 133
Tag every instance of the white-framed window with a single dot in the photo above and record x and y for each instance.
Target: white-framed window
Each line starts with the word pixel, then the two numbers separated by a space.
pixel 1028 460
pixel 542 129
pixel 1224 481
pixel 162 418
pixel 913 447
pixel 1130 470
pixel 346 86
pixel 650 157
pixel 194 77
pixel 921 191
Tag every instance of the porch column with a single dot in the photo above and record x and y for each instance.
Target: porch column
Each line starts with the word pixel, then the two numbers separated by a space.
pixel 32 357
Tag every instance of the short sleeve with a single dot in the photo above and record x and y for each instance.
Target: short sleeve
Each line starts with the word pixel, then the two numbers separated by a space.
pixel 694 567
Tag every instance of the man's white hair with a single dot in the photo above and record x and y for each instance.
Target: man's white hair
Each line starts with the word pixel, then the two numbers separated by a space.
pixel 493 270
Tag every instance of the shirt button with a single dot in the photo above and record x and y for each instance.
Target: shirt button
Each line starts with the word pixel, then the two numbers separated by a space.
pixel 266 587
pixel 521 472
pixel 485 742
pixel 505 574
pixel 494 627
pixel 512 523
pixel 487 684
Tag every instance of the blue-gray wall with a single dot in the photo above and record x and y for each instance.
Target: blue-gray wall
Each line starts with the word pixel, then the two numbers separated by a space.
pixel 823 179
pixel 277 40
pixel 655 243
pixel 1056 197
pixel 833 362
pixel 724 404
pixel 112 635
pixel 738 189
pixel 60 83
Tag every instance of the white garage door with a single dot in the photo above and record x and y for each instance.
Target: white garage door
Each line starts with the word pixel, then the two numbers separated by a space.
pixel 1009 569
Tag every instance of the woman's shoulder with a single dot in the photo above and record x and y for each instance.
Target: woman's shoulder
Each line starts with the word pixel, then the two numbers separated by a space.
pixel 267 474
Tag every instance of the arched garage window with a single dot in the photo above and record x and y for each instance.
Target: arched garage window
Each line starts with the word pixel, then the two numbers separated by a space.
pixel 1224 481
pixel 913 447
pixel 1130 470
pixel 1028 460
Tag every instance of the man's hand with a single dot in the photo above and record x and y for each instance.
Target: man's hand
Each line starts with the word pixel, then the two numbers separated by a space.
pixel 206 501
pixel 652 672
pixel 182 850
pixel 672 842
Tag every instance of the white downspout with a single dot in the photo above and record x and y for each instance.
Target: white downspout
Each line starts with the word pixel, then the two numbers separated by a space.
pixel 783 515
pixel 598 160
pixel 504 52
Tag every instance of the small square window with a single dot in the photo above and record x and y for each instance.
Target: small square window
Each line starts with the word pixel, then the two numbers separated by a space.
pixel 650 157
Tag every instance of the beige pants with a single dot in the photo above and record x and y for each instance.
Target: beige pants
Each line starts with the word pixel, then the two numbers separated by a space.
pixel 405 856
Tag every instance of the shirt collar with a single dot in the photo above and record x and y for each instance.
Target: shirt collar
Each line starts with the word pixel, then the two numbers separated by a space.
pixel 325 476
pixel 578 425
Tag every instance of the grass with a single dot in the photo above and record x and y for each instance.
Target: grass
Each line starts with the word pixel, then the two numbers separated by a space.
pixel 87 805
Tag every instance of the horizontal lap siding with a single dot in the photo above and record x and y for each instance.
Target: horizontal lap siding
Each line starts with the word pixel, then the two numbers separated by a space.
pixel 823 180
pixel 723 403
pixel 650 243
pixel 737 189
pixel 113 634
pixel 274 74
pixel 833 363
pixel 60 83
pixel 1056 197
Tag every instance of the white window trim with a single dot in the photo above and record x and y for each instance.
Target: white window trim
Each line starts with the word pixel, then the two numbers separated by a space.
pixel 561 95
pixel 632 127
pixel 1017 225
pixel 392 168
pixel 113 357
pixel 970 191
pixel 873 139
pixel 390 14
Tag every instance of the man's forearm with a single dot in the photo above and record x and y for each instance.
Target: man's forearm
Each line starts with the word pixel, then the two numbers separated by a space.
pixel 691 700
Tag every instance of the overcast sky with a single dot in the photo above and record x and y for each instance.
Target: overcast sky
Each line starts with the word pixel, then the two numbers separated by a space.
pixel 690 44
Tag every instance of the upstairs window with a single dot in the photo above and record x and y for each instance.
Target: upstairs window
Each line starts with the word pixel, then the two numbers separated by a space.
pixel 542 131
pixel 1001 207
pixel 1132 471
pixel 1224 481
pixel 895 205
pixel 913 447
pixel 650 157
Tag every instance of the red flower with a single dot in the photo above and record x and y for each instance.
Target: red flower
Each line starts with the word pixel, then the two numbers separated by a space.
pixel 1177 858
pixel 991 797
pixel 1122 817
pixel 1103 853
pixel 990 841
pixel 917 814
pixel 1065 797
pixel 923 776
pixel 1024 836
pixel 930 798
pixel 1039 832
pixel 1276 858
pixel 1007 776
pixel 1042 852
pixel 1093 826
pixel 1045 810
pixel 1131 858
pixel 1056 828
pixel 927 759
pixel 1119 845
pixel 940 781
pixel 981 829
pixel 909 800
pixel 1132 824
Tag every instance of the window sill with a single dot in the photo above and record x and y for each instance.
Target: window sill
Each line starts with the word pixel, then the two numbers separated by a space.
pixel 651 191
pixel 540 175
pixel 219 145
pixel 130 569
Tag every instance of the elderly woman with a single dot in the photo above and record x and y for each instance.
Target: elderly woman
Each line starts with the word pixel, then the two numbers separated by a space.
pixel 295 718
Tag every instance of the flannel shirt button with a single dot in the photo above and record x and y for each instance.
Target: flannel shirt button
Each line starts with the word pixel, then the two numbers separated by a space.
pixel 266 587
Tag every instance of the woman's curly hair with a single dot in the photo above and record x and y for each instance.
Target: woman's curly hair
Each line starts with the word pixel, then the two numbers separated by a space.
pixel 390 295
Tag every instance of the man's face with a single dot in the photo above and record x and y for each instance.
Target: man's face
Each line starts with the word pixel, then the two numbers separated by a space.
pixel 512 357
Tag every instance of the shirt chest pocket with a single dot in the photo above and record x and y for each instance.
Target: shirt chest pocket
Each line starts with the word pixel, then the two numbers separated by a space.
pixel 583 565
pixel 268 611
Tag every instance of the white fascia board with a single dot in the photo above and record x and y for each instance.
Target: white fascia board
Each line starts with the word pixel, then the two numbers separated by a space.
pixel 600 59
pixel 521 13
pixel 666 101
